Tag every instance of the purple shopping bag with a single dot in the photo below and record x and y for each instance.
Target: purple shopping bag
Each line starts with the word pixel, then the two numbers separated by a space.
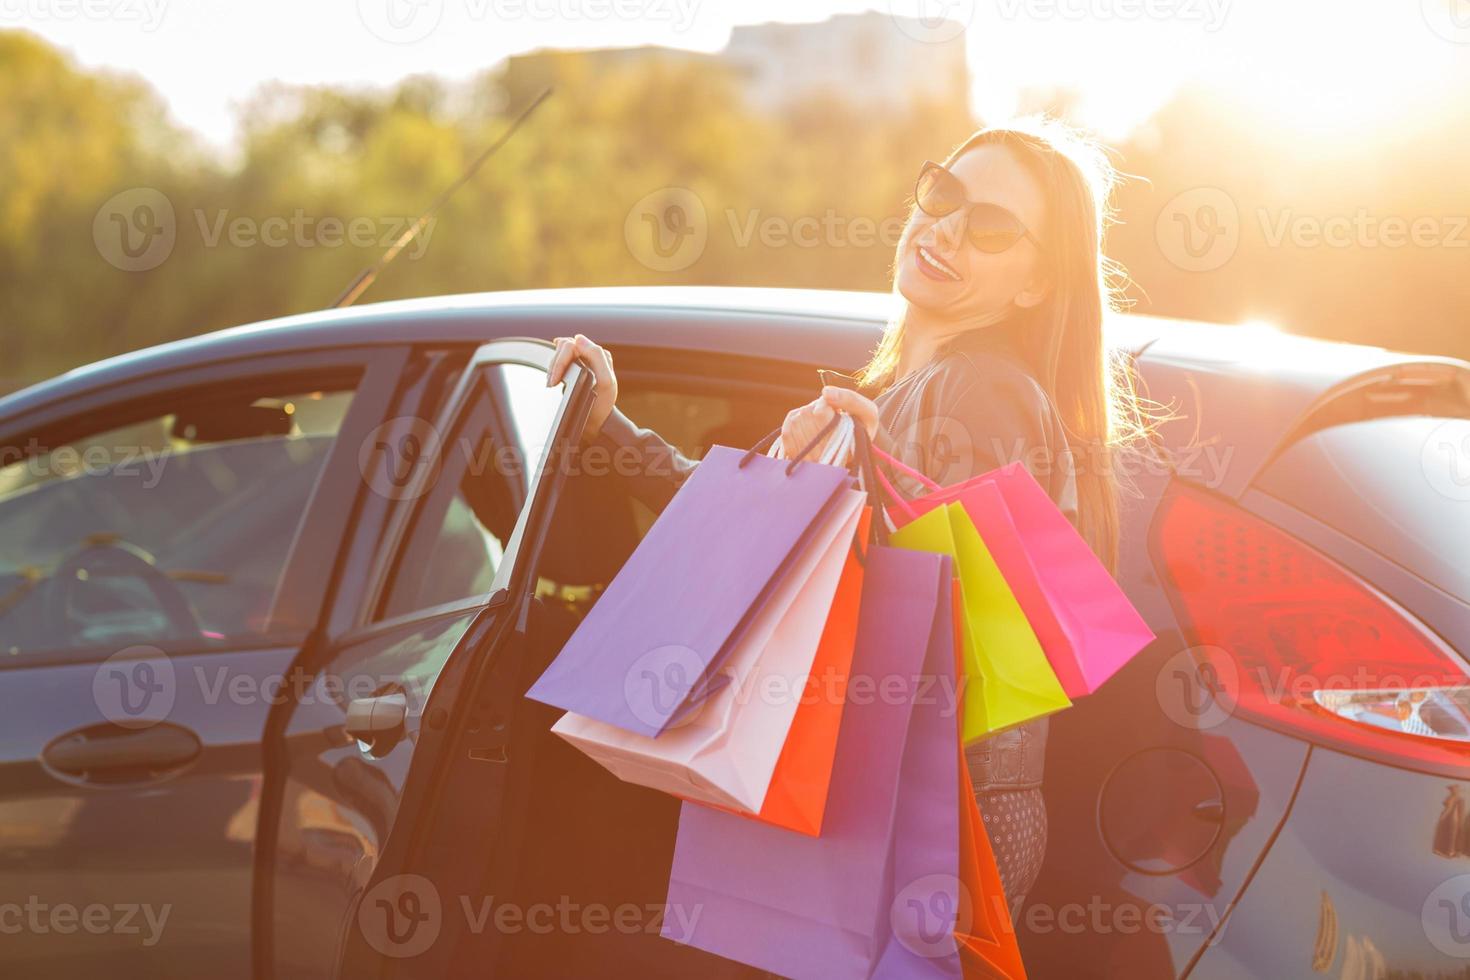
pixel 654 640
pixel 824 907
pixel 1085 623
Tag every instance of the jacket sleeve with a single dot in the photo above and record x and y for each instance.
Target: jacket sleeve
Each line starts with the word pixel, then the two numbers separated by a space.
pixel 653 469
pixel 980 413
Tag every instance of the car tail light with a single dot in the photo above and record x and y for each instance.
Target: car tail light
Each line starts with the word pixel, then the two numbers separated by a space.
pixel 1286 636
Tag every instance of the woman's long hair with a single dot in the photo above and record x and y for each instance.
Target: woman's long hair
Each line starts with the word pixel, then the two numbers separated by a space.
pixel 1063 346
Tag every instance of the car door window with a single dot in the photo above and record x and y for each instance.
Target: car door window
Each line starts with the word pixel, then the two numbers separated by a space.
pixel 166 523
pixel 479 479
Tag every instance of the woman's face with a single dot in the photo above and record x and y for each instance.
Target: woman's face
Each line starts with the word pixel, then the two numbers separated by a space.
pixel 972 284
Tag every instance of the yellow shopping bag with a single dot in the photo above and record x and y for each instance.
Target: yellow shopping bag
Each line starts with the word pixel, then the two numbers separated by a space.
pixel 1007 679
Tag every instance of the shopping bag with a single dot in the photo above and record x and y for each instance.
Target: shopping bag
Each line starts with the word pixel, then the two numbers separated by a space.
pixel 984 931
pixel 923 912
pixel 1007 679
pixel 797 797
pixel 725 752
pixel 1085 623
pixel 819 907
pixel 648 649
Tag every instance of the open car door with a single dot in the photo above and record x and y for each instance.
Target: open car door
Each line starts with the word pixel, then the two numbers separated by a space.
pixel 435 595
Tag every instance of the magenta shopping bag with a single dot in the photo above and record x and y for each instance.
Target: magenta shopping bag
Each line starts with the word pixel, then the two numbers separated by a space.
pixel 1085 623
pixel 696 581
pixel 838 905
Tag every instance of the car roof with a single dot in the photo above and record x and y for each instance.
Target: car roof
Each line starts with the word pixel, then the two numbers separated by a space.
pixel 1245 386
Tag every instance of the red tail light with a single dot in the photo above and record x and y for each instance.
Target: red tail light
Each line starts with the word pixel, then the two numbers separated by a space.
pixel 1294 641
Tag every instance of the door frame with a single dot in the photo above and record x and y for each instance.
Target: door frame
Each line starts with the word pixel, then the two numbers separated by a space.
pixel 346 621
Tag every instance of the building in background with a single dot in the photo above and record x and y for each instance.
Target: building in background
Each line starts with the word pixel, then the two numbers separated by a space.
pixel 868 59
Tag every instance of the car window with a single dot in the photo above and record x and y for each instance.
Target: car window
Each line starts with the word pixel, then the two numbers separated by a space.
pixel 482 478
pixel 170 524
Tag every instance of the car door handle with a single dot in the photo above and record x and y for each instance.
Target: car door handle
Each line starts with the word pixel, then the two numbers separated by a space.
pixel 109 754
pixel 373 717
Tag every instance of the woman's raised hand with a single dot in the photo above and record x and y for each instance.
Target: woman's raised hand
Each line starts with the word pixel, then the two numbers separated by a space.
pixel 605 381
pixel 803 424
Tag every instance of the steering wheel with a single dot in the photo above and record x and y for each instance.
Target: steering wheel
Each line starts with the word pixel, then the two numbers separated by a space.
pixel 116 559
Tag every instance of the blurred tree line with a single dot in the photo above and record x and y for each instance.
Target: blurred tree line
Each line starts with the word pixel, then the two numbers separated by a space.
pixel 809 194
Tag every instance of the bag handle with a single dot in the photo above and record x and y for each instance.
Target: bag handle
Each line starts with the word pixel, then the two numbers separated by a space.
pixel 869 480
pixel 769 440
pixel 906 470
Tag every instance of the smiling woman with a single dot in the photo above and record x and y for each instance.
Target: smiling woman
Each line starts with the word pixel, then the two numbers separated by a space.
pixel 997 356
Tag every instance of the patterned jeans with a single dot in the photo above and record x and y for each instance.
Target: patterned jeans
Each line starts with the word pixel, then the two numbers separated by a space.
pixel 1005 771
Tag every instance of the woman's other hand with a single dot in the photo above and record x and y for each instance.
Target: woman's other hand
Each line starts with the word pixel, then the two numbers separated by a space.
pixel 605 381
pixel 805 423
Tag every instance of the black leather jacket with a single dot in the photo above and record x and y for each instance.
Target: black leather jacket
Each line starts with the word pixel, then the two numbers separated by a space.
pixel 973 408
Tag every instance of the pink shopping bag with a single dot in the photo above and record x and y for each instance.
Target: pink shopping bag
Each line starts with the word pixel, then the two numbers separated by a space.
pixel 1086 625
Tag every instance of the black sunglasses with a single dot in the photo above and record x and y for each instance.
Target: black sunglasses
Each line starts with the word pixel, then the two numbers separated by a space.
pixel 989 227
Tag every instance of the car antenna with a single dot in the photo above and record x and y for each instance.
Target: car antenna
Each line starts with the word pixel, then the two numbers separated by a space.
pixel 366 277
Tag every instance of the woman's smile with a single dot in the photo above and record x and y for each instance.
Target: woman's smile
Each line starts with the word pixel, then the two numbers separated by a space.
pixel 934 267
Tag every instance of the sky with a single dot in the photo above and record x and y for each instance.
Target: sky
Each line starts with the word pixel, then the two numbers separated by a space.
pixel 1316 67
